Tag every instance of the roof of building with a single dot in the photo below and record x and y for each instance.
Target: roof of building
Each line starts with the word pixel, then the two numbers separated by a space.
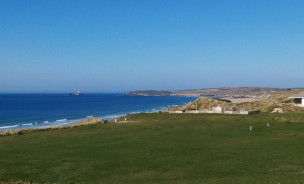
pixel 297 96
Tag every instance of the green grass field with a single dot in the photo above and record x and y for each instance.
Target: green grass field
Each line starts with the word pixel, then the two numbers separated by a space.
pixel 162 148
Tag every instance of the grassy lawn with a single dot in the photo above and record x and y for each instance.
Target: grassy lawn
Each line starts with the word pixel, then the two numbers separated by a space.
pixel 162 148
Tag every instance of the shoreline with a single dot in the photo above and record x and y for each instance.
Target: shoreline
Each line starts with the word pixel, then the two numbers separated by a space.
pixel 89 120
pixel 85 122
pixel 58 123
pixel 66 121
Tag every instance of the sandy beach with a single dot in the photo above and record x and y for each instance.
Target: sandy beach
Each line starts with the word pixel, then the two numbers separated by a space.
pixel 242 100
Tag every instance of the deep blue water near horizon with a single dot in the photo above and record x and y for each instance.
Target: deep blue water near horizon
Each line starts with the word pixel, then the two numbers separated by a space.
pixel 42 110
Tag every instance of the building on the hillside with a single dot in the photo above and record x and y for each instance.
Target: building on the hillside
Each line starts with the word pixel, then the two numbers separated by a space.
pixel 298 100
pixel 217 109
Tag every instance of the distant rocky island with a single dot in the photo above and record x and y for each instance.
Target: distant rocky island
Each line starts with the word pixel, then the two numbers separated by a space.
pixel 239 92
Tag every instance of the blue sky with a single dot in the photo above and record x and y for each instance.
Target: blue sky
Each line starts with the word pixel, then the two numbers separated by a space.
pixel 123 45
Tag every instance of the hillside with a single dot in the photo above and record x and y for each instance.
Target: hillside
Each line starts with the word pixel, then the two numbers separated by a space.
pixel 267 103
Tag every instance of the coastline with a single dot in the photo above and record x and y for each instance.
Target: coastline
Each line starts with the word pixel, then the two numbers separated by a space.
pixel 89 120
pixel 85 122
pixel 14 129
pixel 56 112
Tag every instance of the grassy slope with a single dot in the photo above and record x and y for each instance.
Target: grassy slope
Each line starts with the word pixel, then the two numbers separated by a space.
pixel 162 148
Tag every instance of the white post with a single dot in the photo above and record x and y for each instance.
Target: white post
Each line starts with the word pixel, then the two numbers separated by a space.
pixel 115 120
pixel 250 128
pixel 125 119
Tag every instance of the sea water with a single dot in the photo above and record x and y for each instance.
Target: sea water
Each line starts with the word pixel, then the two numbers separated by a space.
pixel 44 110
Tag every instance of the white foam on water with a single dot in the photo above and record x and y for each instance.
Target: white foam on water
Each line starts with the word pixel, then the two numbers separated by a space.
pixel 6 127
pixel 27 124
pixel 63 124
pixel 61 120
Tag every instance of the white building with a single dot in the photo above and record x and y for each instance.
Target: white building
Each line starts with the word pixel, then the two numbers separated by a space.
pixel 298 100
pixel 217 109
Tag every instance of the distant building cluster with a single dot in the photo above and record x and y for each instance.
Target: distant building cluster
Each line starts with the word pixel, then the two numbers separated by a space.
pixel 217 110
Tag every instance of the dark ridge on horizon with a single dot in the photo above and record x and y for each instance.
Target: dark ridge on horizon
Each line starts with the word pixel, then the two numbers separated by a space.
pixel 207 88
pixel 208 91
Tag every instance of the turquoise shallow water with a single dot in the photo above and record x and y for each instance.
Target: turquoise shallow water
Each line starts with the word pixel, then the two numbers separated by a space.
pixel 40 110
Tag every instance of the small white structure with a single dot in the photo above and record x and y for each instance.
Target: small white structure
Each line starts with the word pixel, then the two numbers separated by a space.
pixel 277 110
pixel 250 112
pixel 175 112
pixel 217 109
pixel 192 112
pixel 298 100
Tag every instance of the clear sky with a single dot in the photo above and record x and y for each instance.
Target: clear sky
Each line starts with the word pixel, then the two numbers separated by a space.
pixel 122 45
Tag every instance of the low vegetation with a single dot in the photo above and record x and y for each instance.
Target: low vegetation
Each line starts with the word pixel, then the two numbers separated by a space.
pixel 270 101
pixel 161 148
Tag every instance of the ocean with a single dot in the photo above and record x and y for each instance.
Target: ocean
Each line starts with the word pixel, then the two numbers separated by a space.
pixel 18 111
